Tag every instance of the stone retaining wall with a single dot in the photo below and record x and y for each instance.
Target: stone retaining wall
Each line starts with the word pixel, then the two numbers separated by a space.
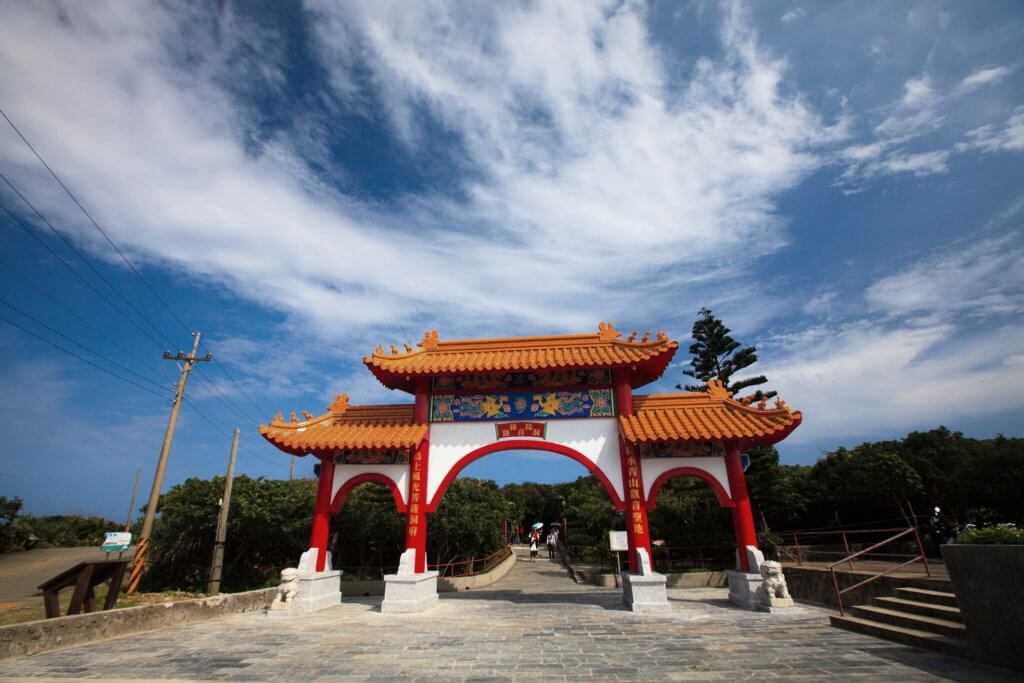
pixel 444 584
pixel 809 584
pixel 49 634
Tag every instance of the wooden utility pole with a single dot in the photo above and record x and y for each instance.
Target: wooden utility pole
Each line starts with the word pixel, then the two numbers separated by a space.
pixel 165 450
pixel 131 505
pixel 291 469
pixel 222 522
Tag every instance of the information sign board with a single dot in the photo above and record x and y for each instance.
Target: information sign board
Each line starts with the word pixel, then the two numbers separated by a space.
pixel 617 541
pixel 116 541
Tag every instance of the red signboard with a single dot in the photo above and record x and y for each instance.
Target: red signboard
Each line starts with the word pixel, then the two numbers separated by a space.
pixel 512 430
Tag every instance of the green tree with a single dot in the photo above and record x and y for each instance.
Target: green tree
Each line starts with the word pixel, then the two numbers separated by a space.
pixel 716 355
pixel 467 523
pixel 268 528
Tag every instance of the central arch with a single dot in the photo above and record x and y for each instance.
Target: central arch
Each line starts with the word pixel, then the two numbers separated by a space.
pixel 524 445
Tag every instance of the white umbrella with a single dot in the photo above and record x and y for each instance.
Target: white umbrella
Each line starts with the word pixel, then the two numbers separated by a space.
pixel 537 525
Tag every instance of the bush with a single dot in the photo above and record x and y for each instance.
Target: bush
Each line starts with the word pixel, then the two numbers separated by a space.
pixel 1000 534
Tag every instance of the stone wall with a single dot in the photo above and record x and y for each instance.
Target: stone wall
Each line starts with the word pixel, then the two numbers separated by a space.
pixel 444 584
pixel 808 584
pixel 49 634
pixel 989 582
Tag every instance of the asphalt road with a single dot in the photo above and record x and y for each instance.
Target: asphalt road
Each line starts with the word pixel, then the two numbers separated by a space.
pixel 21 572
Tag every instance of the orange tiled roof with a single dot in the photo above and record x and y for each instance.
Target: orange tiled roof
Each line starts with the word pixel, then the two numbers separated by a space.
pixel 701 416
pixel 646 358
pixel 346 427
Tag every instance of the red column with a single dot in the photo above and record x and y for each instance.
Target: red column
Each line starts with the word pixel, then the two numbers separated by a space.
pixel 416 517
pixel 742 517
pixel 638 533
pixel 322 514
pixel 623 393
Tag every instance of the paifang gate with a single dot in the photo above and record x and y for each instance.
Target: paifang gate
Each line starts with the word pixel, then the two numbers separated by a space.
pixel 568 394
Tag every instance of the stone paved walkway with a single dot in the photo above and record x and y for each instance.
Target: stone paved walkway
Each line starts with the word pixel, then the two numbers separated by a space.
pixel 536 624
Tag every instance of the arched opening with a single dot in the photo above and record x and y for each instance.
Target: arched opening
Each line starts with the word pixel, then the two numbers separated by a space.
pixel 691 522
pixel 349 485
pixel 367 528
pixel 524 445
pixel 551 484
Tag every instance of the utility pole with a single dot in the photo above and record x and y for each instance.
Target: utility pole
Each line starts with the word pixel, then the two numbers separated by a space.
pixel 131 505
pixel 165 450
pixel 222 522
pixel 291 469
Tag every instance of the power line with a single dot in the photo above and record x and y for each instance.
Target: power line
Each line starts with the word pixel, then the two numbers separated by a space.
pixel 82 256
pixel 79 345
pixel 220 429
pixel 229 404
pixel 120 253
pixel 70 311
pixel 84 360
pixel 67 265
pixel 95 224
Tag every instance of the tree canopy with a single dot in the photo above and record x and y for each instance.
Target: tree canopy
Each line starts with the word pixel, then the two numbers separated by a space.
pixel 716 355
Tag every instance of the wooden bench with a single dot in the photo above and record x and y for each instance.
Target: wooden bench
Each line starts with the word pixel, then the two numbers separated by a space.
pixel 84 576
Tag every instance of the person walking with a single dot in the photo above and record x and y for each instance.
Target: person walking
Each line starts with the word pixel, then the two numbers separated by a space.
pixel 552 541
pixel 533 548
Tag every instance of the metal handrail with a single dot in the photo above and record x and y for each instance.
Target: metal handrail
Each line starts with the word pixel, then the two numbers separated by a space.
pixel 849 559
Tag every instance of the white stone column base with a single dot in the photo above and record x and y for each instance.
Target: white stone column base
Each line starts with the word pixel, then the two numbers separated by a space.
pixel 645 593
pixel 409 592
pixel 743 588
pixel 317 590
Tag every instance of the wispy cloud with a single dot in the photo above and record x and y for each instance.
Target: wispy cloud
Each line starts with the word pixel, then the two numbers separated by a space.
pixel 983 77
pixel 586 159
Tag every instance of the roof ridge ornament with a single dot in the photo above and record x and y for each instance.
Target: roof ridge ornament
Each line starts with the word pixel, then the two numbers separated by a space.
pixel 339 405
pixel 277 419
pixel 717 390
pixel 295 418
pixel 607 331
pixel 430 340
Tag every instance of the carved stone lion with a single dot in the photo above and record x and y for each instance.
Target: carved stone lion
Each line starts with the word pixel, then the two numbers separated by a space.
pixel 773 591
pixel 288 590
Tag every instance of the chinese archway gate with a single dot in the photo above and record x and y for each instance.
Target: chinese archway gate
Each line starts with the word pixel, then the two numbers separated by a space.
pixel 568 394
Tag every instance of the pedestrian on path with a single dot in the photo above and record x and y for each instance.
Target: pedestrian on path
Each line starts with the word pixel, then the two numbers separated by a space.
pixel 551 545
pixel 533 549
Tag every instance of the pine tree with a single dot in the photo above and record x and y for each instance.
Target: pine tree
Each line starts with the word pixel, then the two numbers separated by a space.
pixel 716 355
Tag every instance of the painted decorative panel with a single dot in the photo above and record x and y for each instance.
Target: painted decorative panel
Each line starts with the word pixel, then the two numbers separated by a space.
pixel 373 457
pixel 682 449
pixel 515 405
pixel 513 380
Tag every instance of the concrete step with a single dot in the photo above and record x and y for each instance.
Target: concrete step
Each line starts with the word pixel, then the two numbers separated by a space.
pixel 924 608
pixel 930 596
pixel 900 634
pixel 945 627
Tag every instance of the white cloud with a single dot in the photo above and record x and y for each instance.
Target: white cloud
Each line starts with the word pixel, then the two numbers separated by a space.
pixel 984 76
pixel 917 111
pixel 981 278
pixel 792 15
pixel 1010 138
pixel 889 378
pixel 591 167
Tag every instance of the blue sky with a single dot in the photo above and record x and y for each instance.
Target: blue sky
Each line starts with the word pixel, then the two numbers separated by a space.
pixel 840 181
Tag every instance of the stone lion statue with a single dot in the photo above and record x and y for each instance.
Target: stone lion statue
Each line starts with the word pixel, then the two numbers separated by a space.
pixel 773 591
pixel 288 590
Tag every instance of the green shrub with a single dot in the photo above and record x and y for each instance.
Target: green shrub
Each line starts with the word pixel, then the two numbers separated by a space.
pixel 1000 534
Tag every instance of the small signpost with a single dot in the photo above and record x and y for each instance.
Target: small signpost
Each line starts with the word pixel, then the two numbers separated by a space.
pixel 116 542
pixel 617 543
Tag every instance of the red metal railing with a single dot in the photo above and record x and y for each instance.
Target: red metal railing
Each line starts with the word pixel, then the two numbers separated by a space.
pixel 910 531
pixel 476 565
pixel 806 545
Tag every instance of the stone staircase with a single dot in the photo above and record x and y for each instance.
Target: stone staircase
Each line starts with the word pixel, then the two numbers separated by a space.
pixel 914 616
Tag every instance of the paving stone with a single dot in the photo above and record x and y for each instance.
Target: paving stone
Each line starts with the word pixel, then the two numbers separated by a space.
pixel 536 624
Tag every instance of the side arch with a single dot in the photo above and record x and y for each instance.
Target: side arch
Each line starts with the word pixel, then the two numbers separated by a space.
pixel 720 493
pixel 524 445
pixel 346 488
